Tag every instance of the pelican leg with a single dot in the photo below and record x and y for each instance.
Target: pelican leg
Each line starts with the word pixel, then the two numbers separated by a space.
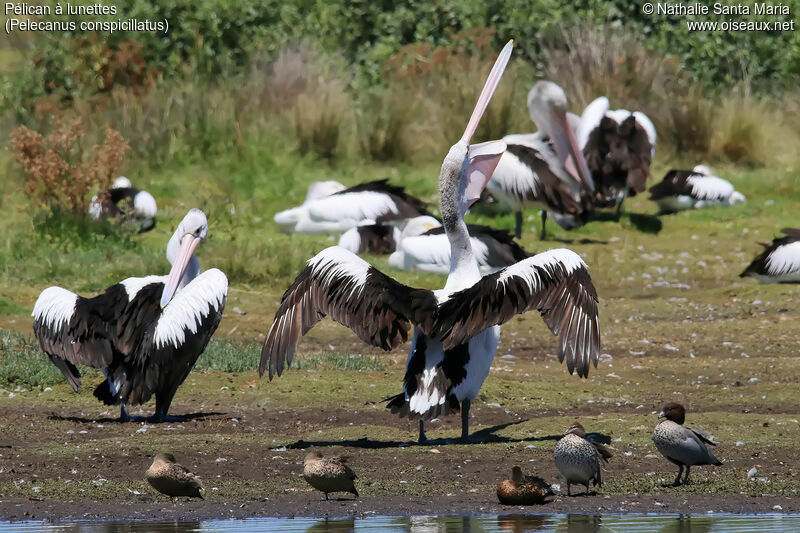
pixel 686 477
pixel 678 477
pixel 569 490
pixel 518 224
pixel 161 412
pixel 422 438
pixel 465 405
pixel 123 414
pixel 543 235
pixel 621 198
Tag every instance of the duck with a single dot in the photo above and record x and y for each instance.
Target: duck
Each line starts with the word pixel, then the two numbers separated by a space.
pixel 693 189
pixel 779 262
pixel 682 446
pixel 577 457
pixel 522 490
pixel 172 479
pixel 329 474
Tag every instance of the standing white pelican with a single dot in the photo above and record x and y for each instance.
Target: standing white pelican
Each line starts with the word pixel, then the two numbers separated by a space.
pixel 779 262
pixel 546 169
pixel 338 212
pixel 619 147
pixel 424 245
pixel 693 189
pixel 144 333
pixel 456 329
pixel 123 202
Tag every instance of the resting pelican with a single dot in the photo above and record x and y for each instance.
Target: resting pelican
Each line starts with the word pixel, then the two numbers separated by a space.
pixel 423 245
pixel 779 262
pixel 619 147
pixel 338 212
pixel 369 237
pixel 124 202
pixel 545 169
pixel 144 333
pixel 456 329
pixel 693 189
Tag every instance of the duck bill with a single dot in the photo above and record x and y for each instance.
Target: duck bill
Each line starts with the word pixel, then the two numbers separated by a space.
pixel 662 415
pixel 569 153
pixel 190 242
pixel 488 91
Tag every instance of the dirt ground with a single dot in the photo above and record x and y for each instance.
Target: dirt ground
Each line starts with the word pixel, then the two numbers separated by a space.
pixel 64 456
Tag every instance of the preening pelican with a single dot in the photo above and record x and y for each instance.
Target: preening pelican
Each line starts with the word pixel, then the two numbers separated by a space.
pixel 125 203
pixel 144 333
pixel 423 245
pixel 779 262
pixel 457 328
pixel 338 212
pixel 545 170
pixel 693 189
pixel 619 147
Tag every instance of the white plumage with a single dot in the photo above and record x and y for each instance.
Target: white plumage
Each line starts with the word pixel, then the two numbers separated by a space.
pixel 204 295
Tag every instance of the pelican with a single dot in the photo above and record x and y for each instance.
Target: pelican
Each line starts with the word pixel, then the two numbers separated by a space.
pixel 457 328
pixel 619 147
pixel 145 334
pixel 545 169
pixel 344 209
pixel 287 219
pixel 371 238
pixel 423 245
pixel 693 189
pixel 124 202
pixel 779 262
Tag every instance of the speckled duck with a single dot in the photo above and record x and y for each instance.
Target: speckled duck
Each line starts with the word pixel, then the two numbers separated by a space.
pixel 578 457
pixel 172 479
pixel 329 474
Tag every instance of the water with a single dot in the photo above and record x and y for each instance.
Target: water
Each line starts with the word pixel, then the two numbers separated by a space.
pixel 512 523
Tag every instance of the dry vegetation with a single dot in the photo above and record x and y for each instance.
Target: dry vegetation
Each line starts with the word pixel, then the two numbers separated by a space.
pixel 60 172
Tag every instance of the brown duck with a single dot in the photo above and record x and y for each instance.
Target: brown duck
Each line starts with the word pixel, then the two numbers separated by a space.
pixel 172 479
pixel 329 474
pixel 681 445
pixel 522 490
pixel 578 456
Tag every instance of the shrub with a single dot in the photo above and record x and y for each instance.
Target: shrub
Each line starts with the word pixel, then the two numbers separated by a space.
pixel 60 172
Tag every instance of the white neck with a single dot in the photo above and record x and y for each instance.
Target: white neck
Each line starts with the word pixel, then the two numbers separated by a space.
pixel 452 188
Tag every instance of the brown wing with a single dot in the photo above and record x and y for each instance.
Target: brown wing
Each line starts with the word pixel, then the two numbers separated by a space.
pixel 556 283
pixel 338 283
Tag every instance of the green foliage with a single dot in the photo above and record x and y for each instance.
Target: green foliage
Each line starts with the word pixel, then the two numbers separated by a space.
pixel 218 37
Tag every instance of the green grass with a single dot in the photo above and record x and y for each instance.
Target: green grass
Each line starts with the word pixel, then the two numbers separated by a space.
pixel 22 363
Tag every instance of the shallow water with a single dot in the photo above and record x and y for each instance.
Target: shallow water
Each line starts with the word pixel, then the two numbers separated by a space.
pixel 627 523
